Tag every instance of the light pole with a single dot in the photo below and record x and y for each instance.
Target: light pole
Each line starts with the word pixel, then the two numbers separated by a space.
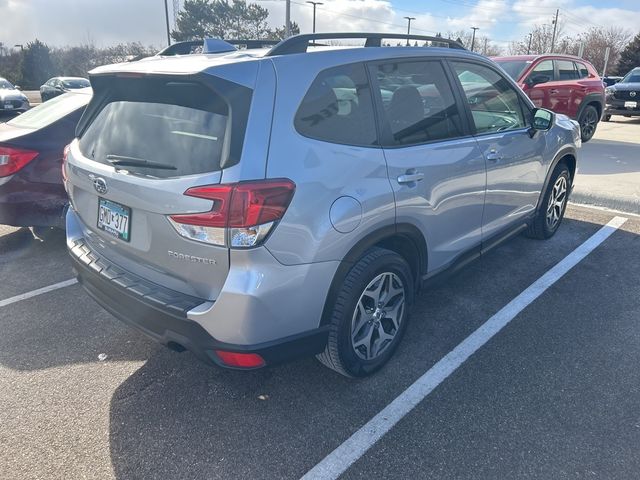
pixel 166 14
pixel 314 13
pixel 473 38
pixel 409 27
pixel 287 18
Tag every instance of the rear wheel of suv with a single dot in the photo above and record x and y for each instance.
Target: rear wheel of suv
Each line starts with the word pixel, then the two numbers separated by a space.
pixel 369 315
pixel 588 122
pixel 554 203
pixel 606 118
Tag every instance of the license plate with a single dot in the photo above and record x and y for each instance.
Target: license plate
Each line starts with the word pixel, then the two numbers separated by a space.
pixel 8 106
pixel 630 104
pixel 114 219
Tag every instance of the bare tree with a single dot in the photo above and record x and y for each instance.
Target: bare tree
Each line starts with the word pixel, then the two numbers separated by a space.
pixel 483 44
pixel 595 42
pixel 539 40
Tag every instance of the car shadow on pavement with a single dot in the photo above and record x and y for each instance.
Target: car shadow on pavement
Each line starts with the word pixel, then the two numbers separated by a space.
pixel 178 418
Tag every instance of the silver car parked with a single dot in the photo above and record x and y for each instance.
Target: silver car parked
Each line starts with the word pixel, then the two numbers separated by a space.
pixel 255 206
pixel 12 100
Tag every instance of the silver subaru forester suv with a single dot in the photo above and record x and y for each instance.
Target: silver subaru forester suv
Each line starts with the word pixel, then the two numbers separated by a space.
pixel 253 206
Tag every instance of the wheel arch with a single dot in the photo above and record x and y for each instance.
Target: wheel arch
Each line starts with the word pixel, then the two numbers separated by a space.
pixel 594 99
pixel 404 239
pixel 566 155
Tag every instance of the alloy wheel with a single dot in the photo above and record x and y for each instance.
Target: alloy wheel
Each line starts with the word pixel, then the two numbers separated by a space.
pixel 557 201
pixel 588 123
pixel 377 316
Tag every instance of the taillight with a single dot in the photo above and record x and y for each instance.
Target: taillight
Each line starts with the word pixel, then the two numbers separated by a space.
pixel 13 159
pixel 242 214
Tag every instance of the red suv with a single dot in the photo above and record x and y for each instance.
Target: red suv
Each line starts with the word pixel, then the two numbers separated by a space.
pixel 561 83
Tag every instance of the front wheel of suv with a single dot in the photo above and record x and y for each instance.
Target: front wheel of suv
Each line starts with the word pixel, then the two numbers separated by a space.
pixel 369 315
pixel 606 118
pixel 588 122
pixel 554 202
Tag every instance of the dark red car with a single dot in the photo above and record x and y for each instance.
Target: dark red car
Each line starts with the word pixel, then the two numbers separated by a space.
pixel 31 149
pixel 561 83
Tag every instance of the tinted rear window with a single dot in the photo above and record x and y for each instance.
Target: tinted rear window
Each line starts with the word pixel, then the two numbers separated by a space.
pixel 178 124
pixel 338 107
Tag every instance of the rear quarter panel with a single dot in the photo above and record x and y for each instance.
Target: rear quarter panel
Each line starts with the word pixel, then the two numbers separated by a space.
pixel 353 178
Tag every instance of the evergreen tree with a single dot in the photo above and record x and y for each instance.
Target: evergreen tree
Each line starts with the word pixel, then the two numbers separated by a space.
pixel 630 56
pixel 37 66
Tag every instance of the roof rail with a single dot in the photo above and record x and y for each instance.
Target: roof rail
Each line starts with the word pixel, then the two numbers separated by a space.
pixel 300 43
pixel 213 45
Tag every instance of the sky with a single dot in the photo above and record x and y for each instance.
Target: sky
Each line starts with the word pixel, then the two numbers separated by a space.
pixel 107 22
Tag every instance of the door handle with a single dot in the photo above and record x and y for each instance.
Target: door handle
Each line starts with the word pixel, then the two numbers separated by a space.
pixel 494 156
pixel 554 91
pixel 410 177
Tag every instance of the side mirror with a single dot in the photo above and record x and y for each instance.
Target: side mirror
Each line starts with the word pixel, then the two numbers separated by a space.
pixel 542 120
pixel 534 80
pixel 18 87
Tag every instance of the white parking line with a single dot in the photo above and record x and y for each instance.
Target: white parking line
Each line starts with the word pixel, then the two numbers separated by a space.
pixel 334 464
pixel 39 291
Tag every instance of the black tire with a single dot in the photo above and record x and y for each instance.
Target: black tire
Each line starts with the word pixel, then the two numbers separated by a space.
pixel 606 118
pixel 340 354
pixel 540 228
pixel 588 122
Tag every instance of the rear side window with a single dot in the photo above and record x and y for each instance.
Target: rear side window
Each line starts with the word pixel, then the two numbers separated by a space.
pixel 418 102
pixel 544 68
pixel 180 125
pixel 338 108
pixel 582 70
pixel 566 70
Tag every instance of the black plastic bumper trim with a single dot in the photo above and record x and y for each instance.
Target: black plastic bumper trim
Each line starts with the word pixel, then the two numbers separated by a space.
pixel 161 313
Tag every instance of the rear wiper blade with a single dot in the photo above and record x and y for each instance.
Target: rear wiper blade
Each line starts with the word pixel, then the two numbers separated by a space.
pixel 122 161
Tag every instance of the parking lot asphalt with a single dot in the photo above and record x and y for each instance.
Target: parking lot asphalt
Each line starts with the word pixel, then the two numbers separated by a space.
pixel 555 394
pixel 609 166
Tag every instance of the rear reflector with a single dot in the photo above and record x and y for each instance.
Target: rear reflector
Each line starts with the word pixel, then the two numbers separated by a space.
pixel 240 360
pixel 14 159
pixel 242 213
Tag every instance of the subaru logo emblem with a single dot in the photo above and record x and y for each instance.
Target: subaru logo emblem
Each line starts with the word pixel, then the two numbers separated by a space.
pixel 100 185
pixel 632 94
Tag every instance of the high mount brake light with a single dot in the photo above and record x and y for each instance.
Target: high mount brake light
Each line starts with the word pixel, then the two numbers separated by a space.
pixel 242 213
pixel 14 159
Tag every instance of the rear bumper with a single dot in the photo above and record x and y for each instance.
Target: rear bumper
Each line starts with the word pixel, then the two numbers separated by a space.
pixel 30 204
pixel 162 314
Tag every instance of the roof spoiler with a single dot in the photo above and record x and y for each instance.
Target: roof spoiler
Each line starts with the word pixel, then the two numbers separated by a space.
pixel 300 43
pixel 213 45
